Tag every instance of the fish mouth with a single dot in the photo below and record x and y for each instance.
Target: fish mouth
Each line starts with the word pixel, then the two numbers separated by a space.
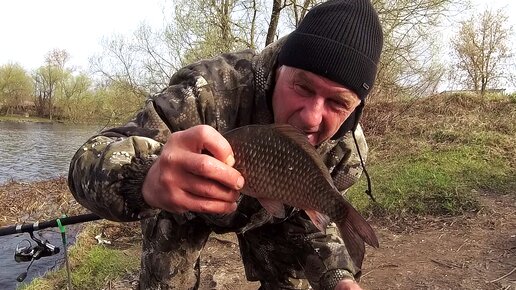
pixel 312 137
pixel 311 134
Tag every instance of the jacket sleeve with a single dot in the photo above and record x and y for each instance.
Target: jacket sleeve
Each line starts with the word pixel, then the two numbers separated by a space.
pixel 107 173
pixel 327 261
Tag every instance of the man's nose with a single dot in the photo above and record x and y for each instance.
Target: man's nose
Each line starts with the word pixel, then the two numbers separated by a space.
pixel 312 113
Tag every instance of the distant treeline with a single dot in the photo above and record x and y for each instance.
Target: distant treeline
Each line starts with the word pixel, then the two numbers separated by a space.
pixel 131 67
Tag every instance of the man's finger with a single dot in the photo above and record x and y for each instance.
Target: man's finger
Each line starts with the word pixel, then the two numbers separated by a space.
pixel 213 142
pixel 199 204
pixel 208 167
pixel 208 188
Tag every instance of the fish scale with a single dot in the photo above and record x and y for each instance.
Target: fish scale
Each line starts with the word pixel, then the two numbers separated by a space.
pixel 280 167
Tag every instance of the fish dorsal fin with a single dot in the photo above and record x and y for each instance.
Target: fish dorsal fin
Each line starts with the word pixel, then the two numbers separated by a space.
pixel 300 139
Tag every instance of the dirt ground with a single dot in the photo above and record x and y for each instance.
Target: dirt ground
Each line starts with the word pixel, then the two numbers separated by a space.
pixel 474 251
pixel 468 252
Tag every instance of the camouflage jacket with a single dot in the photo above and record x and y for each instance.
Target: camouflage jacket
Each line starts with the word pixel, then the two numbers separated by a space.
pixel 228 91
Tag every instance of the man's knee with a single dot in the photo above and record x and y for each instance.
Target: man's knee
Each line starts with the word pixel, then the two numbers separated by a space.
pixel 170 253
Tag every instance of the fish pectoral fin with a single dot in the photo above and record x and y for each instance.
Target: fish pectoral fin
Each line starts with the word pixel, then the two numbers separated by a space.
pixel 274 207
pixel 320 220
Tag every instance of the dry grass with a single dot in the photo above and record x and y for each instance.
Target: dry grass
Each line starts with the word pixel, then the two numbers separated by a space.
pixel 28 202
pixel 453 111
pixel 45 200
pixel 428 156
pixel 439 121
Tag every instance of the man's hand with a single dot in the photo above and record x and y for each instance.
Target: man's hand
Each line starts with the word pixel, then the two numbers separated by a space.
pixel 348 284
pixel 184 179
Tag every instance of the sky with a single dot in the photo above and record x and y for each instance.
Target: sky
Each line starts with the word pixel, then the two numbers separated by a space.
pixel 29 29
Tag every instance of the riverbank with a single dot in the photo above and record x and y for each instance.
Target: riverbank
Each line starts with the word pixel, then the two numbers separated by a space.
pixel 92 262
pixel 30 119
pixel 35 201
pixel 443 172
pixel 474 250
pixel 22 119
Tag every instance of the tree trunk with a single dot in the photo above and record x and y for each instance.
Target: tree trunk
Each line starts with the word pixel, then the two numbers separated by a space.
pixel 273 26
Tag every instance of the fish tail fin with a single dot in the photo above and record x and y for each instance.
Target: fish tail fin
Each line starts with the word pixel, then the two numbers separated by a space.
pixel 354 243
pixel 354 230
pixel 358 223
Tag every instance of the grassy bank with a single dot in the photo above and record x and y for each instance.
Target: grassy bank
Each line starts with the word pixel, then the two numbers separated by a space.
pixel 428 157
pixel 433 156
pixel 94 265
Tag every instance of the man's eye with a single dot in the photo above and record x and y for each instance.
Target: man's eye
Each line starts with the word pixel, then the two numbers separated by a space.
pixel 340 105
pixel 302 89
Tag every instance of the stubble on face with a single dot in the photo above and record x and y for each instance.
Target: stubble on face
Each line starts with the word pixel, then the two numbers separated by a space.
pixel 294 96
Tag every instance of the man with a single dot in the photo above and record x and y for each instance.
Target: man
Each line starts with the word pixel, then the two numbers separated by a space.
pixel 155 169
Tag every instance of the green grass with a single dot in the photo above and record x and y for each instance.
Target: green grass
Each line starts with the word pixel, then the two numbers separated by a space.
pixel 431 160
pixel 437 155
pixel 441 182
pixel 92 266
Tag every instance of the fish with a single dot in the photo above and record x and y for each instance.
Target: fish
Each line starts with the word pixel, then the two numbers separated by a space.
pixel 280 166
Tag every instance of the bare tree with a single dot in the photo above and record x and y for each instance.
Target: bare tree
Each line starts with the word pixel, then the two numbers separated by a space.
pixel 159 58
pixel 212 27
pixel 481 49
pixel 277 6
pixel 205 28
pixel 57 58
pixel 408 67
pixel 119 63
pixel 198 29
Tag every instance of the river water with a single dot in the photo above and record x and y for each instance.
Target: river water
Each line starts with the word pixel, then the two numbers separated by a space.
pixel 37 151
pixel 30 152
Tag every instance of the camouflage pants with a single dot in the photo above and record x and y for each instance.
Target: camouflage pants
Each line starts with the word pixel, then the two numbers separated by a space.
pixel 280 256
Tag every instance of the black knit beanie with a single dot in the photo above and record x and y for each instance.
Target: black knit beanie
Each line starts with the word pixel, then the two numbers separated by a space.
pixel 340 40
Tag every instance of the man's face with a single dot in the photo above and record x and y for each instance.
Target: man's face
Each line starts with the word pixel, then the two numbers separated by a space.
pixel 311 103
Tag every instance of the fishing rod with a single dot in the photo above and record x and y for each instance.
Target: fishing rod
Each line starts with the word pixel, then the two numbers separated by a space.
pixel 36 226
pixel 26 252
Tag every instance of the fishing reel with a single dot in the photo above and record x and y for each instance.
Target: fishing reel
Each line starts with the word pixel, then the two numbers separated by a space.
pixel 26 252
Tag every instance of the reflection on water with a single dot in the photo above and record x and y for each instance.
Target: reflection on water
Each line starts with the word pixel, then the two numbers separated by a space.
pixel 38 151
